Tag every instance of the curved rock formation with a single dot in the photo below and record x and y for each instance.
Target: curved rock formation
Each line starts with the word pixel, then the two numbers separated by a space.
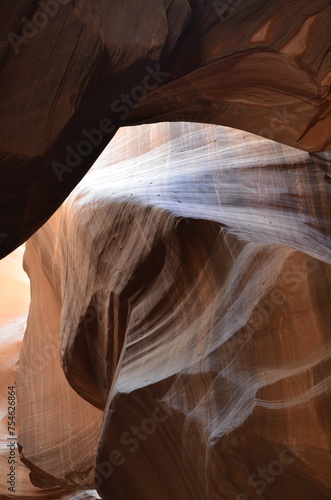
pixel 186 281
pixel 75 71
pixel 14 304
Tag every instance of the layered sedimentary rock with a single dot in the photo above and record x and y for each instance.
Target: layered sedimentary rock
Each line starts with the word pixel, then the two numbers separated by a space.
pixel 186 286
pixel 14 304
pixel 57 424
pixel 69 68
pixel 178 340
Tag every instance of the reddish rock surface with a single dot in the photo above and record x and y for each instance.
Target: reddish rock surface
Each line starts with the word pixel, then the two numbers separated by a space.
pixel 187 280
pixel 250 64
pixel 177 345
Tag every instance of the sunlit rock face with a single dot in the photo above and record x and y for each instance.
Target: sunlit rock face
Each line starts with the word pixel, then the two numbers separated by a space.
pixel 14 304
pixel 185 286
pixel 58 428
pixel 69 69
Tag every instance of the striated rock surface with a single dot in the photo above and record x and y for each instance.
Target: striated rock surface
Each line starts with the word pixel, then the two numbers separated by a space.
pixel 72 72
pixel 58 426
pixel 14 304
pixel 185 285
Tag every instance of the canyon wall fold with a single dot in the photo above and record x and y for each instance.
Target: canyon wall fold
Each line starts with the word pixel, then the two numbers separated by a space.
pixel 185 284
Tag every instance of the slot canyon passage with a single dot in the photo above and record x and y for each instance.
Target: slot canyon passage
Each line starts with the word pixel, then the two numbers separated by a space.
pixel 165 300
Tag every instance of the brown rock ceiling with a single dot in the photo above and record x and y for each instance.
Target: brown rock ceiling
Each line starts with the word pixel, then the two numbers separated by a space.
pixel 255 65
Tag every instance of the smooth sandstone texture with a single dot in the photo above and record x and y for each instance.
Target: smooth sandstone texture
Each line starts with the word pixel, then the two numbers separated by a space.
pixel 14 305
pixel 69 68
pixel 186 281
pixel 58 426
